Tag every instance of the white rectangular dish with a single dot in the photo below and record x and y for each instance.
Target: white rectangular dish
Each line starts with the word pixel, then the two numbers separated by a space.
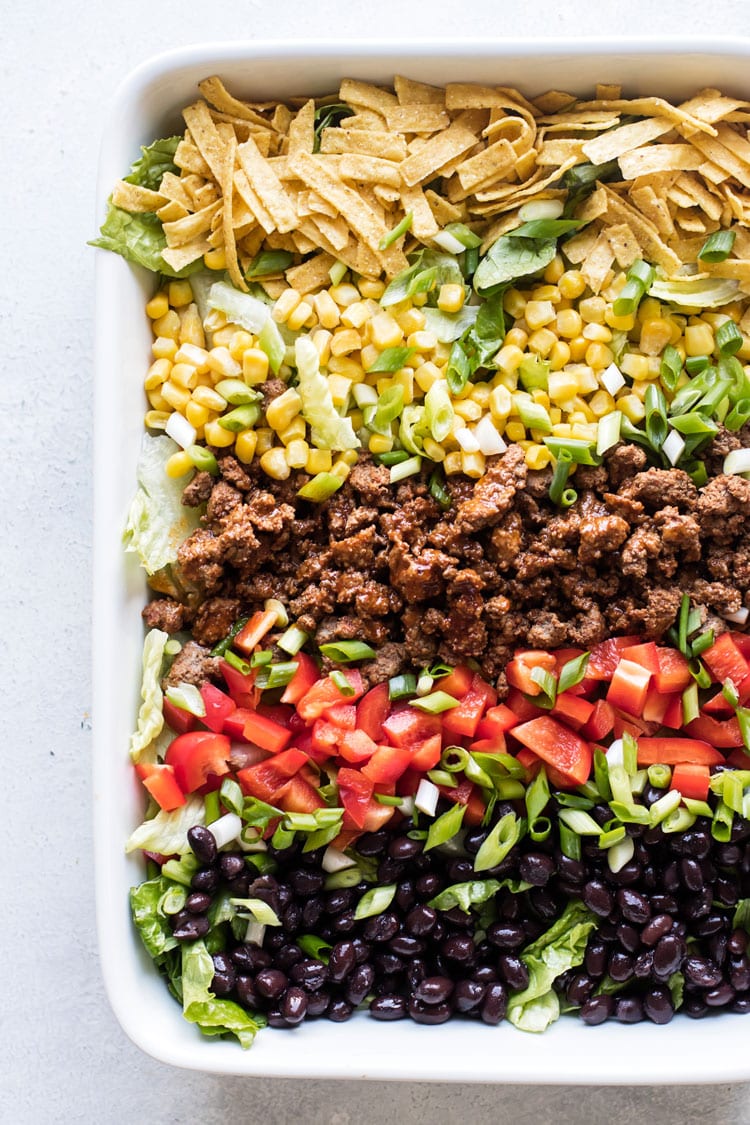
pixel 147 106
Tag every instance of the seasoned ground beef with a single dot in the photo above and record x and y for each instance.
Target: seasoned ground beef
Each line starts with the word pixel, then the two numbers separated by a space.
pixel 501 568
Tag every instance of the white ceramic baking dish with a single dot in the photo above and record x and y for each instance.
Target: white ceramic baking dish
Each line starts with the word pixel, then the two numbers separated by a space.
pixel 147 106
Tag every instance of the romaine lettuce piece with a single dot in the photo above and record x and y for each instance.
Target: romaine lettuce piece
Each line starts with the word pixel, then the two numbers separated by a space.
pixel 166 833
pixel 696 293
pixel 146 901
pixel 200 1006
pixel 157 521
pixel 150 716
pixel 328 429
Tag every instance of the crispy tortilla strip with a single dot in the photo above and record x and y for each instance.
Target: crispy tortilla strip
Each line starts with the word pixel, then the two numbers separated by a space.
pixel 581 119
pixel 699 193
pixel 302 243
pixel 712 106
pixel 253 202
pixel 188 158
pixel 501 226
pixel 624 244
pixel 365 94
pixel 186 230
pixel 282 118
pixel 736 268
pixel 443 210
pixel 533 184
pixel 740 207
pixel 136 199
pixel 207 137
pixel 726 155
pixel 301 134
pixel 691 220
pixel 654 208
pixel 215 92
pixel 319 205
pixel 451 144
pixel 680 198
pixel 423 223
pixel 492 163
pixel 558 151
pixel 366 119
pixel 616 142
pixel 227 217
pixel 654 249
pixel 593 207
pixel 386 195
pixel 335 230
pixel 172 187
pixel 267 186
pixel 604 91
pixel 172 211
pixel 553 101
pixel 313 171
pixel 178 257
pixel 252 241
pixel 312 274
pixel 408 92
pixel 363 142
pixel 713 173
pixel 659 158
pixel 598 262
pixel 205 195
pixel 651 107
pixel 518 131
pixel 467 95
pixel 580 245
pixel 417 118
pixel 368 170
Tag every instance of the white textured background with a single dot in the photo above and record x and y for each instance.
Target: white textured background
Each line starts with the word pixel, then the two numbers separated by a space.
pixel 63 1058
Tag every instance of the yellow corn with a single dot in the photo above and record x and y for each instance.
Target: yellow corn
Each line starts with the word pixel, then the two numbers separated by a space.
pixel 634 365
pixel 341 469
pixel 598 356
pixel 344 295
pixel 157 306
pixel 280 411
pixel 385 331
pixel 295 431
pixel 452 463
pixel 215 259
pixel 411 320
pixel 326 309
pixel 571 284
pixel 223 337
pixel 301 316
pixel 563 385
pixel 592 309
pixel 601 403
pixel 318 461
pixel 220 361
pixel 469 410
pixel 254 366
pixel 517 337
pixel 699 339
pixel 245 445
pixel 404 378
pixel 584 431
pixel 515 431
pixel 559 355
pixel 339 386
pixel 164 348
pixel 542 342
pixel 274 463
pixel 265 437
pixel 217 435
pixel 509 357
pixel 345 341
pixel 168 325
pixel 211 399
pixel 569 323
pixel 655 335
pixel 501 403
pixel 554 270
pixel 157 401
pixel 578 348
pixel 481 395
pixel 176 396
pixel 157 373
pixel 296 454
pixel 356 315
pixel 514 303
pixel 285 305
pixel 380 443
pixel 196 414
pixel 539 313
pixel 620 323
pixel 434 451
pixel 180 293
pixel 425 375
pixel 185 375
pixel 239 344
pixel 537 456
pixel 178 465
pixel 156 419
pixel 648 309
pixel 191 353
pixel 600 333
pixel 472 465
pixel 632 408
pixel 371 288
pixel 344 365
pixel 451 297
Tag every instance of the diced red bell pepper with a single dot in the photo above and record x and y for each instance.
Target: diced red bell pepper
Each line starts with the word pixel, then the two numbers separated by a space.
pixel 738 759
pixel 324 694
pixel 377 815
pixel 742 640
pixel 574 710
pixel 522 707
pixel 606 656
pixel 645 654
pixel 632 724
pixel 406 726
pixel 725 661
pixel 303 679
pixel 266 732
pixel 251 634
pixel 355 793
pixel 342 715
pixel 161 783
pixel 691 779
pixel 234 724
pixel 282 714
pixel 298 795
pixel 463 720
pixel 602 721
pixel 674 714
pixel 656 705
pixel 724 733
pixel 241 685
pixel 426 755
pixel 718 706
pixel 518 671
pixel 673 673
pixel 468 795
pixel 372 711
pixel 497 720
pixel 356 746
pixel 326 739
pixel 219 706
pixel 457 682
pixel 196 755
pixel 558 745
pixel 629 686
pixel 177 718
pixel 529 760
pixel 408 783
pixel 387 764
pixel 494 745
pixel 265 779
pixel 672 751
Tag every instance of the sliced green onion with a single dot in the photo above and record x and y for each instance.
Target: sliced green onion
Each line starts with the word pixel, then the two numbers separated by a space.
pixel 241 418
pixel 259 909
pixel 548 683
pixel 690 704
pixel 471 261
pixel 510 789
pixel 682 625
pixel 732 791
pixel 211 805
pixel 729 691
pixel 694 364
pixel 743 720
pixel 445 827
pixel 721 828
pixel 537 796
pixel 729 338
pixel 237 392
pixel 697 808
pixel 257 814
pixel 385 799
pixel 582 452
pixel 629 813
pixel 533 415
pixel 498 843
pixel 671 367
pixel 231 796
pixel 223 645
pixel 700 673
pixel 300 822
pixel 320 487
pixel 394 234
pixel 237 662
pixel 738 416
pixel 337 273
pixel 345 652
pixel 442 777
pixel 560 475
pixel 389 406
pixel 568 498
pixel 187 698
pixel 703 642
pixel 293 640
pixel 435 703
pixel 656 416
pixel 454 759
pixel 393 457
pixel 619 781
pixel 574 801
pixel 717 247
pixel 612 837
pixel 533 372
pixel 182 869
pixel 269 262
pixel 629 753
pixel 639 278
pixel 314 947
pixel 439 492
pixel 399 687
pixel 540 829
pixel 579 821
pixel 391 360
pixel 474 772
pixel 272 343
pixel 570 842
pixel 662 808
pixel 405 469
pixel 678 821
pixel 276 675
pixel 608 432
pixel 438 410
pixel 464 235
pixel 573 671
pixel 203 459
pixel 601 774
pixel 341 682
pixel 261 658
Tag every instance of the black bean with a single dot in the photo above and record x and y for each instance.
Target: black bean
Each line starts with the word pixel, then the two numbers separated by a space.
pixel 403 847
pixel 695 842
pixel 656 929
pixel 716 947
pixel 668 954
pixel 382 927
pixel 287 956
pixel 205 879
pixel 420 920
pixel 495 1004
pixel 391 870
pixel 292 918
pixel 310 973
pixel 388 963
pixel 643 966
pixel 741 1004
pixel 416 971
pixel 596 958
pixel 341 960
pixel 633 905
pixel 275 1019
pixel 251 958
pixel 597 1009
pixel 191 927
pixel 621 965
pixel 670 878
pixel 571 869
pixel 336 902
pixel 406 894
pixel 306 882
pixel 359 983
pixel 293 1006
pixel 198 902
pixel 692 876
pixel 317 1002
pixel 726 891
pixel 719 996
pixel 202 843
pixel 580 989
pixel 630 873
pixel 628 1009
pixel 458 918
pixel 246 992
pixel 428 1013
pixel 536 868
pixel 664 904
pixel 629 937
pixel 460 870
pixel 427 886
pixel 739 973
pixel 506 935
pixel 312 912
pixel 474 839
pixel 468 994
pixel 484 974
pixel 728 855
pixel 372 843
pixel 737 944
pixel 232 864
pixel 694 1007
pixel 339 1011
pixel 362 950
pixel 433 990
pixel 597 897
pixel 657 1004
pixel 543 903
pixel 700 971
pixel 345 922
pixel 389 1006
pixel 270 983
pixel 406 945
pixel 459 947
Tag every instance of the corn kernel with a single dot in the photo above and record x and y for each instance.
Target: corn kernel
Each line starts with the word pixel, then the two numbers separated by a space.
pixel 699 339
pixel 422 340
pixel 164 348
pixel 561 429
pixel 180 293
pixel 295 431
pixel 217 435
pixel 341 469
pixel 634 365
pixel 274 464
pixel 318 461
pixel 585 432
pixel 178 465
pixel 285 306
pixel 191 327
pixel 599 333
pixel 655 335
pixel 481 395
pixel 239 344
pixel 469 410
pixel 254 366
pixel 223 337
pixel 598 356
pixel 515 431
pixel 537 457
pixel 340 387
pixel 592 309
pixel 220 361
pixel 539 313
pixel 281 410
pixel 404 378
pixel 542 342
pixel 265 437
pixel 427 374
pixel 411 321
pixel 157 374
pixel 157 306
pixel 302 315
pixel 563 386
pixel 344 365
pixel 554 270
pixel 185 375
pixel 156 419
pixel 571 284
pixel 168 325
pixel 196 414
pixel 371 288
pixel 568 323
pixel 215 259
pixel 632 408
pixel 245 444
pixel 380 443
pixel 296 454
pixel 157 401
pixel 326 309
pixel 619 323
pixel 501 403
pixel 434 451
pixel 344 295
pixel 578 348
pixel 514 303
pixel 175 395
pixel 354 316
pixel 649 309
pixel 509 357
pixel 559 355
pixel 211 399
pixel 191 353
pixel 516 337
pixel 451 297
pixel 452 463
pixel 602 403
pixel 472 465
pixel 345 341
pixel 368 355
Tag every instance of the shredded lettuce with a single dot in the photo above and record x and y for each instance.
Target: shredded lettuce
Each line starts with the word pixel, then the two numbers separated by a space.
pixel 428 271
pixel 239 308
pixel 449 326
pixel 157 521
pixel 155 160
pixel 150 716
pixel 474 893
pixel 146 905
pixel 328 429
pixel 696 293
pixel 560 948
pixel 200 1006
pixel 166 833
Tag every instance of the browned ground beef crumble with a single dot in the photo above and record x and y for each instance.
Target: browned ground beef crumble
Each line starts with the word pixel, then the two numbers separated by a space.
pixel 502 567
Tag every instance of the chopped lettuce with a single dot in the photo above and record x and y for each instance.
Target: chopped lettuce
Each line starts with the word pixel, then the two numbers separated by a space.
pixel 560 948
pixel 146 905
pixel 150 716
pixel 155 160
pixel 200 1006
pixel 449 326
pixel 166 833
pixel 696 293
pixel 238 307
pixel 429 270
pixel 157 521
pixel 328 429
pixel 474 893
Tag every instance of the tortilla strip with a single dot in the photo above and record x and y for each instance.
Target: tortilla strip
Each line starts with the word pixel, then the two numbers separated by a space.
pixel 205 195
pixel 423 223
pixel 335 230
pixel 713 173
pixel 556 151
pixel 594 206
pixel 313 171
pixel 553 101
pixel 365 94
pixel 363 142
pixel 301 133
pixel 410 92
pixel 659 158
pixel 253 202
pixel 267 186
pixel 251 242
pixel 651 107
pixel 598 262
pixel 312 274
pixel 215 92
pixel 735 268
pixel 712 106
pixel 646 233
pixel 178 257
pixel 725 157
pixel 227 218
pixel 580 245
pixel 467 95
pixel 171 212
pixel 705 199
pixel 368 170
pixel 207 138
pixel 615 142
pixel 188 158
pixel 386 195
pixel 624 244
pixel 318 205
pixel 690 219
pixel 654 208
pixel 607 91
pixel 492 162
pixel 137 199
pixel 442 209
pixel 418 118
pixel 172 187
pixel 434 154
pixel 183 231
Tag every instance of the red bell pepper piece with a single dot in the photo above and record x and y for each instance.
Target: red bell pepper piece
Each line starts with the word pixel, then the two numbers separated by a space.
pixel 672 751
pixel 646 654
pixel 326 739
pixel 718 706
pixel 497 720
pixel 298 795
pixel 489 745
pixel 324 694
pixel 303 679
pixel 522 707
pixel 342 715
pixel 606 656
pixel 529 760
pixel 725 734
pixel 426 755
pixel 457 682
pixel 251 634
pixel 266 732
pixel 657 705
pixel 518 671
pixel 629 686
pixel 692 780
pixel 387 764
pixel 196 755
pixel 557 745
pixel 372 711
pixel 241 685
pixel 632 724
pixel 355 793
pixel 463 720
pixel 161 783
pixel 573 710
pixel 673 673
pixel 739 759
pixel 356 746
pixel 406 726
pixel 219 706
pixel 265 779
pixel 725 661
pixel 234 724
pixel 674 714
pixel 602 721
pixel 177 718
